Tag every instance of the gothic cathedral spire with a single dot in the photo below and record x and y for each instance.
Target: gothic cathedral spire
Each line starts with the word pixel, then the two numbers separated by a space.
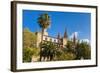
pixel 65 38
pixel 74 39
pixel 65 33
pixel 58 37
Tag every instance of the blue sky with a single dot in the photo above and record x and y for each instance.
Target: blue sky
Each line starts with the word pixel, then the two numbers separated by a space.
pixel 75 22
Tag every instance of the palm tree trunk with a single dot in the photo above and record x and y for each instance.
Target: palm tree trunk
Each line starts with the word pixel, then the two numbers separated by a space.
pixel 42 34
pixel 41 43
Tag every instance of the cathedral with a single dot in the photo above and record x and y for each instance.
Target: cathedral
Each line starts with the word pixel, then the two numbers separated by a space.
pixel 61 41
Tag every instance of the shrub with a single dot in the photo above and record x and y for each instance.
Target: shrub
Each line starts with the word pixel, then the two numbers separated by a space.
pixel 28 53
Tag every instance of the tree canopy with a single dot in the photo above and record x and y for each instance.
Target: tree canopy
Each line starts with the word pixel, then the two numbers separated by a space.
pixel 44 20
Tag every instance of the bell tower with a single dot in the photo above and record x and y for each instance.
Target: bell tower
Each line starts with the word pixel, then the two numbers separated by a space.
pixel 74 39
pixel 65 38
pixel 58 37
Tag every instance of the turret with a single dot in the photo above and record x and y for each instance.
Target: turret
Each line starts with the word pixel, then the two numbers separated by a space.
pixel 58 37
pixel 65 33
pixel 65 38
pixel 74 39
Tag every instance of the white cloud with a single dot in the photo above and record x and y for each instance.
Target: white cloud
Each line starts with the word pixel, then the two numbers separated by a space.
pixel 75 33
pixel 85 40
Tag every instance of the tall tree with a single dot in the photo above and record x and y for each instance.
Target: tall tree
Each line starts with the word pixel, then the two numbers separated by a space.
pixel 83 50
pixel 44 22
pixel 49 50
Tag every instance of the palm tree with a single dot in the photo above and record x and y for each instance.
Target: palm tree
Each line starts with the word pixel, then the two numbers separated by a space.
pixel 49 50
pixel 44 22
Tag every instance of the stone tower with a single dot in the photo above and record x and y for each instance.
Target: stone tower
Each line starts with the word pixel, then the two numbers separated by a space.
pixel 39 34
pixel 38 40
pixel 74 39
pixel 65 38
pixel 58 37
